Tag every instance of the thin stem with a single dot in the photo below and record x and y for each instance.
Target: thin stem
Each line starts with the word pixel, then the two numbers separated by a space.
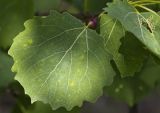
pixel 145 4
pixel 101 14
pixel 147 9
pixel 144 1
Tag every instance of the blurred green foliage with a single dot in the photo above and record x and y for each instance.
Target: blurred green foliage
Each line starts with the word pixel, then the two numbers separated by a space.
pixel 6 76
pixel 13 14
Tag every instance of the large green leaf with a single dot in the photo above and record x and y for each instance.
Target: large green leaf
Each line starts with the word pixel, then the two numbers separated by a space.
pixel 12 16
pixel 6 76
pixel 145 26
pixel 126 50
pixel 60 61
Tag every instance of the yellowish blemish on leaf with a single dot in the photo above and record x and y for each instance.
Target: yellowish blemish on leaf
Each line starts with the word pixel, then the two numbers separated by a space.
pixel 71 83
pixel 28 42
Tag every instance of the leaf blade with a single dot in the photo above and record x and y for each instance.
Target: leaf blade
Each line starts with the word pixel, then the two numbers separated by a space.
pixel 123 46
pixel 145 29
pixel 65 61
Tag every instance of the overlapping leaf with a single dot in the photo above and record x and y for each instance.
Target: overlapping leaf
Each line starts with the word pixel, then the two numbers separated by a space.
pixel 127 51
pixel 60 61
pixel 145 26
pixel 6 76
pixel 129 89
pixel 133 89
pixel 151 73
pixel 13 13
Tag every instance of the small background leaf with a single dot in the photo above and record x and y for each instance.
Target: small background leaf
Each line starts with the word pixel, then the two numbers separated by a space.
pixel 133 89
pixel 130 89
pixel 151 73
